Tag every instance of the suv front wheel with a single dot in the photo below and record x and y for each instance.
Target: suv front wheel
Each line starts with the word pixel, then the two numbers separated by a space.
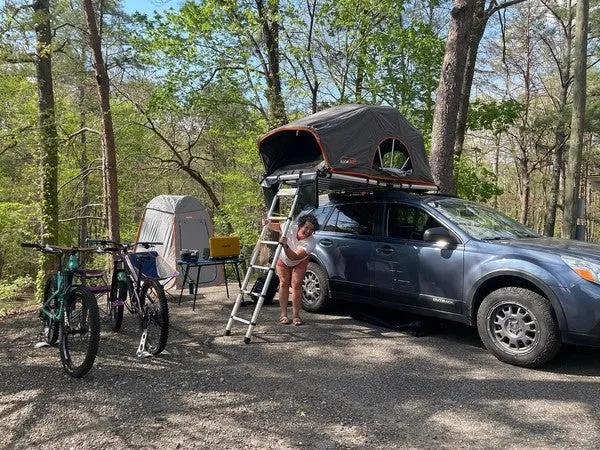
pixel 518 326
pixel 315 289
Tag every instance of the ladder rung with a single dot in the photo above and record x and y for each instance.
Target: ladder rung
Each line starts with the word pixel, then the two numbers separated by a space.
pixel 241 319
pixel 270 242
pixel 254 266
pixel 277 218
pixel 290 192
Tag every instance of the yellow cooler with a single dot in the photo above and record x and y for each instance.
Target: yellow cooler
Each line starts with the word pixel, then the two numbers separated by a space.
pixel 224 246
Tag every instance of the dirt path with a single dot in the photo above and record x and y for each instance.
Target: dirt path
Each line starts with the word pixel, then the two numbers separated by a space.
pixel 333 383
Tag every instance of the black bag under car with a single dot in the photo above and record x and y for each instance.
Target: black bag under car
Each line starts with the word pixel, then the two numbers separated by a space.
pixel 258 287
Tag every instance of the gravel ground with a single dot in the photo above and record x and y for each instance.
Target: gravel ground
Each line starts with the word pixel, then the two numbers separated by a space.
pixel 334 383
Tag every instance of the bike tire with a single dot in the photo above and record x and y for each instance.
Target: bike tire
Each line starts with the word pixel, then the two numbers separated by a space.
pixel 118 292
pixel 50 326
pixel 79 331
pixel 154 315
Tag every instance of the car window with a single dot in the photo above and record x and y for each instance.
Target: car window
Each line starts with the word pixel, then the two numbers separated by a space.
pixel 480 221
pixel 352 218
pixel 321 214
pixel 407 222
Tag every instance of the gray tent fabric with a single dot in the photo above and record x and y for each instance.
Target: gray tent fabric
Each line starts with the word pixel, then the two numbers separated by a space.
pixel 179 222
pixel 345 140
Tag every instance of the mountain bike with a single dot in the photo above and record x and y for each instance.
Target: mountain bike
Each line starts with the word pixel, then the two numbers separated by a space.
pixel 69 313
pixel 136 286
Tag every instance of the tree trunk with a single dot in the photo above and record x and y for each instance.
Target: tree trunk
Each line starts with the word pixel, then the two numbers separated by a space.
pixel 496 168
pixel 47 122
pixel 268 15
pixel 480 20
pixel 573 168
pixel 557 161
pixel 560 134
pixel 48 137
pixel 448 95
pixel 83 166
pixel 525 193
pixel 108 136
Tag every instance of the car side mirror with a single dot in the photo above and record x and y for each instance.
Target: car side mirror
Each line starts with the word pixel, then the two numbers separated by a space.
pixel 440 235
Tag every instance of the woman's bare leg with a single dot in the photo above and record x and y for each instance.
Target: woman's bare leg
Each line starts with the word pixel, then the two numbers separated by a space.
pixel 296 281
pixel 285 277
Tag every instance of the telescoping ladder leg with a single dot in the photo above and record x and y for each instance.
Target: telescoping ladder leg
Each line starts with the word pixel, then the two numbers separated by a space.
pixel 253 267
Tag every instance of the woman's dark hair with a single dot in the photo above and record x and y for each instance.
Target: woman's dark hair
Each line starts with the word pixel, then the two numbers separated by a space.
pixel 304 218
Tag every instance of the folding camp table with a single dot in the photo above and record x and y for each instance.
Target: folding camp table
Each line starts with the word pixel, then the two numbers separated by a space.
pixel 187 265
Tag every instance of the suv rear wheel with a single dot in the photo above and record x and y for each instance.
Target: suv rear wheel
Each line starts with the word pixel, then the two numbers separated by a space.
pixel 518 326
pixel 315 289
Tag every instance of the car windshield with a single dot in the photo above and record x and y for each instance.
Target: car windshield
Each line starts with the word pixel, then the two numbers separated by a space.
pixel 480 221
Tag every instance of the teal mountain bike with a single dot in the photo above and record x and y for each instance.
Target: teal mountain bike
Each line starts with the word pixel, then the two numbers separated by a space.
pixel 69 313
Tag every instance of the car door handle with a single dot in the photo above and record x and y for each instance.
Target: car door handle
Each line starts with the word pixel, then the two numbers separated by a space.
pixel 325 243
pixel 385 250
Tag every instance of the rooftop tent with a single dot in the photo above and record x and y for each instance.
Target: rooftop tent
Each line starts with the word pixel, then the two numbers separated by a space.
pixel 179 222
pixel 375 143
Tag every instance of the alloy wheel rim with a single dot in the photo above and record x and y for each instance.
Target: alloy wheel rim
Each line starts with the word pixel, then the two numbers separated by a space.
pixel 311 287
pixel 513 328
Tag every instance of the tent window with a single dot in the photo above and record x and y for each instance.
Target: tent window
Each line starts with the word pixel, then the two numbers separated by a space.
pixel 393 156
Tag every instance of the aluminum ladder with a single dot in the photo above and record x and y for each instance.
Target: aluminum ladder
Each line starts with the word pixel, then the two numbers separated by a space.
pixel 270 269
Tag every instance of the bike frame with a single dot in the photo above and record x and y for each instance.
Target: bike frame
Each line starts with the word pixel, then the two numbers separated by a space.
pixel 124 265
pixel 62 276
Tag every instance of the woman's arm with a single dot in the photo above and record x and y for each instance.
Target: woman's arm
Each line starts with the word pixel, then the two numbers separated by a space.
pixel 294 255
pixel 273 226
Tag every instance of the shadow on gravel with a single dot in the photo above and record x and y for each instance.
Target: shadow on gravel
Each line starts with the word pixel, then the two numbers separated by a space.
pixel 573 360
pixel 334 383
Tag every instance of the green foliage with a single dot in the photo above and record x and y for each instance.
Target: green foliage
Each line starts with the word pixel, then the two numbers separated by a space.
pixel 475 183
pixel 394 53
pixel 16 294
pixel 17 224
pixel 11 291
pixel 242 209
pixel 495 116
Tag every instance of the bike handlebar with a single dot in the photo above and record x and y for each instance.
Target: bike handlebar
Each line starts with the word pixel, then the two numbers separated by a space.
pixel 30 244
pixel 112 246
pixel 55 249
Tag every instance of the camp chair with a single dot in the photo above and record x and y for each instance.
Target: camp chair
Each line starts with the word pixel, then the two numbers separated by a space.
pixel 153 266
pixel 96 280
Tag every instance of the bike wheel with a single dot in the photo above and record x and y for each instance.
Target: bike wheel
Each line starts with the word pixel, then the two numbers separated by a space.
pixel 50 325
pixel 115 304
pixel 80 331
pixel 154 316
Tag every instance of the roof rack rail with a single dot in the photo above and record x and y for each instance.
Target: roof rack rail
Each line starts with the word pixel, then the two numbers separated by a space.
pixel 328 181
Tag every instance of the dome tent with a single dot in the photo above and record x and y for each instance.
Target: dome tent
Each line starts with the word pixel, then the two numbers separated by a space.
pixel 179 222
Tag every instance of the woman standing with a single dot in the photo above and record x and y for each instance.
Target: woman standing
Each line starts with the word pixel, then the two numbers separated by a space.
pixel 292 263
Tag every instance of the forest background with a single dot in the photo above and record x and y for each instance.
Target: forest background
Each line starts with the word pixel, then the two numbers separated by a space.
pixel 101 110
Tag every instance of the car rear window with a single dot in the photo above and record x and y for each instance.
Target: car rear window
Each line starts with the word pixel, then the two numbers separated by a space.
pixel 352 218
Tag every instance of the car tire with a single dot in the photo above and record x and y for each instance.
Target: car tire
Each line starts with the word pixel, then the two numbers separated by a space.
pixel 315 289
pixel 518 326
